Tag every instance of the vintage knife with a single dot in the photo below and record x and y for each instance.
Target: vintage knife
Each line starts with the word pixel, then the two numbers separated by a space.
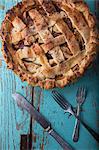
pixel 24 104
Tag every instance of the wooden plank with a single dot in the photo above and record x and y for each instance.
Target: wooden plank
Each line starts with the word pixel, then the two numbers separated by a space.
pixel 13 121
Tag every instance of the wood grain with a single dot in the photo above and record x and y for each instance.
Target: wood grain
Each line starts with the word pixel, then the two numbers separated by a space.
pixel 13 122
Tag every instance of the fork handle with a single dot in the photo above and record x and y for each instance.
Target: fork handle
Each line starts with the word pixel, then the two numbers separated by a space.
pixel 75 135
pixel 91 131
pixel 76 131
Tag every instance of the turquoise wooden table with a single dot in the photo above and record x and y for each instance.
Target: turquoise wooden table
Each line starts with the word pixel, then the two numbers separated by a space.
pixel 19 131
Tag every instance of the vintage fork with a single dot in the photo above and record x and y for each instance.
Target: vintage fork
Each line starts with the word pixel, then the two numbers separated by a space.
pixel 68 108
pixel 80 98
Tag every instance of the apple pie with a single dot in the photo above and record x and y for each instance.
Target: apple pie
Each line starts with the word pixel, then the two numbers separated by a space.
pixel 49 43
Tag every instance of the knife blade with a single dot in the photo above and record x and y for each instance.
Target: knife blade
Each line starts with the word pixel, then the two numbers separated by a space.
pixel 24 104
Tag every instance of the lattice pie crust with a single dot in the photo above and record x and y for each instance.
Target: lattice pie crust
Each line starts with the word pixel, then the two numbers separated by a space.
pixel 49 43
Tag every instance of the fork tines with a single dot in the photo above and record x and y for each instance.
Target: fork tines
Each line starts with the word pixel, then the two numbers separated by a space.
pixel 81 93
pixel 59 99
pixel 81 90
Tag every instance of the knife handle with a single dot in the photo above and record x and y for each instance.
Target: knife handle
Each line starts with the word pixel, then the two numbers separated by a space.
pixel 60 140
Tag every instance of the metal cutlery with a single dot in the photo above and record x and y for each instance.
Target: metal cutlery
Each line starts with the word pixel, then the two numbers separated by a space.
pixel 68 108
pixel 80 98
pixel 24 104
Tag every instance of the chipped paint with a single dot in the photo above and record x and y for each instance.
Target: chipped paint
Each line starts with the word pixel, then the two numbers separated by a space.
pixel 20 126
pixel 37 97
pixel 24 142
pixel 2 7
pixel 39 100
pixel 42 144
pixel 0 63
pixel 34 138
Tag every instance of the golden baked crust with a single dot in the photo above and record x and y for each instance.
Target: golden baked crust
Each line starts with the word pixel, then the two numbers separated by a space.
pixel 49 43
